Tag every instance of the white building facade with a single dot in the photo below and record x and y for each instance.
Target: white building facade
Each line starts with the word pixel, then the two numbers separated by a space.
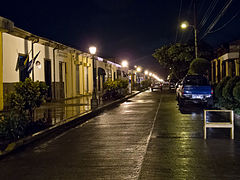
pixel 67 71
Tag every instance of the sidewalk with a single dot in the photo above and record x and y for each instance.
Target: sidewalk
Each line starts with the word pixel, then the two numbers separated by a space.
pixel 62 115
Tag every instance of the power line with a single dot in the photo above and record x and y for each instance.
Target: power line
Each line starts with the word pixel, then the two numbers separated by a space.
pixel 187 34
pixel 222 12
pixel 220 28
pixel 179 14
pixel 208 13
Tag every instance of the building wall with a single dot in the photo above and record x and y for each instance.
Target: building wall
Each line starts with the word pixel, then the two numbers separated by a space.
pixel 65 58
pixel 13 45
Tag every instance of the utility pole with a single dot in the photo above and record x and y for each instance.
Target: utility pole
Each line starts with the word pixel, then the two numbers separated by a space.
pixel 195 29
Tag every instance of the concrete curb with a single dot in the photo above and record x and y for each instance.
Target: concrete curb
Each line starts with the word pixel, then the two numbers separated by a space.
pixel 62 126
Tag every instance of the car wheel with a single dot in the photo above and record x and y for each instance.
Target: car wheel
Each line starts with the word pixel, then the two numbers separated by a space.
pixel 181 102
pixel 209 103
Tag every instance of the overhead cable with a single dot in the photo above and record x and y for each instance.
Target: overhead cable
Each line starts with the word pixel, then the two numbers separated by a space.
pixel 208 13
pixel 179 15
pixel 222 12
pixel 224 25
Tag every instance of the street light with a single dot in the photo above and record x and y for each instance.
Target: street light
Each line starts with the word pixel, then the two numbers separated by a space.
pixel 139 69
pixel 124 63
pixel 185 25
pixel 94 100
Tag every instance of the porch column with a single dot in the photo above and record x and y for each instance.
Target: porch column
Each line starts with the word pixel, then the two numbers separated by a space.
pixel 1 71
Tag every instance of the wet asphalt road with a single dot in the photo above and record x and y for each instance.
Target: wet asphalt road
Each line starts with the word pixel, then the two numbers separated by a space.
pixel 147 137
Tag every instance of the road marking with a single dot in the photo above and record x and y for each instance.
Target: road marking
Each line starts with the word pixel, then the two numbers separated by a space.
pixel 149 136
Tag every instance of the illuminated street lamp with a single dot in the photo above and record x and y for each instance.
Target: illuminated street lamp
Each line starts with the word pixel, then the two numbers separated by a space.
pixel 185 25
pixel 146 72
pixel 94 100
pixel 124 63
pixel 139 69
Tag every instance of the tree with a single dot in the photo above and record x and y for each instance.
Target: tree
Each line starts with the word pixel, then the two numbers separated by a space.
pixel 199 66
pixel 176 58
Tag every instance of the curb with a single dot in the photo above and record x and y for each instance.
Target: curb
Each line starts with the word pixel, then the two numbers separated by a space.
pixel 62 126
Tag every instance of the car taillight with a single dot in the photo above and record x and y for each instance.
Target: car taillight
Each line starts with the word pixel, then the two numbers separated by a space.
pixel 211 91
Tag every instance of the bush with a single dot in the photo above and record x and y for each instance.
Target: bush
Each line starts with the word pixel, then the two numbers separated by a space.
pixel 236 92
pixel 18 122
pixel 122 84
pixel 227 91
pixel 220 86
pixel 115 89
pixel 28 95
pixel 13 125
pixel 199 66
pixel 146 83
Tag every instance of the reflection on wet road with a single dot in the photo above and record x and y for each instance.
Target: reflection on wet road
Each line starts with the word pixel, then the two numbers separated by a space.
pixel 177 149
pixel 146 137
pixel 56 112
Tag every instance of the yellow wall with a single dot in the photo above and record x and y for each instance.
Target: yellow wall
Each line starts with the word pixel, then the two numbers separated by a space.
pixel 1 72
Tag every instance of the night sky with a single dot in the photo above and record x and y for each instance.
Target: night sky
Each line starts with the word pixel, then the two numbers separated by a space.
pixel 125 29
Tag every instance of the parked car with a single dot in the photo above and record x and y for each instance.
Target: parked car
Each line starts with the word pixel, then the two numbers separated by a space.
pixel 195 89
pixel 156 85
pixel 171 86
pixel 177 84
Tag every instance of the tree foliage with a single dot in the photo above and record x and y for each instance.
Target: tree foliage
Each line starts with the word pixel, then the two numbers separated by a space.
pixel 176 57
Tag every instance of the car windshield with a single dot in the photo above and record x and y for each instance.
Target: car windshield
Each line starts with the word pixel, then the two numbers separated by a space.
pixel 196 80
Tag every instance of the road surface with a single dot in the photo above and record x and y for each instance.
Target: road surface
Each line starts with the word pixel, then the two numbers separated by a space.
pixel 147 137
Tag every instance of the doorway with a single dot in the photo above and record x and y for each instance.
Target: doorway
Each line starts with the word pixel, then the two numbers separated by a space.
pixel 48 77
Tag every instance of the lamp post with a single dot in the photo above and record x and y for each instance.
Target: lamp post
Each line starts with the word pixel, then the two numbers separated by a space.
pixel 94 100
pixel 146 74
pixel 125 66
pixel 185 25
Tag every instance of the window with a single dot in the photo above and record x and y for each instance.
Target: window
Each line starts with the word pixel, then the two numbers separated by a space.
pixel 196 80
pixel 22 65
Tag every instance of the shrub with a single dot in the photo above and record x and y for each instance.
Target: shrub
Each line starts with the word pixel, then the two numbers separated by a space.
pixel 227 91
pixel 18 122
pixel 13 125
pixel 146 83
pixel 236 92
pixel 122 84
pixel 115 89
pixel 199 66
pixel 28 95
pixel 220 86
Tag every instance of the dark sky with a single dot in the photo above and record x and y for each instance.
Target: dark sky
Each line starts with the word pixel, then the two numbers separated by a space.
pixel 125 29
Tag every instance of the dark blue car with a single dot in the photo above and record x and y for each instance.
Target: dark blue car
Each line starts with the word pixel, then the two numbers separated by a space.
pixel 194 89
